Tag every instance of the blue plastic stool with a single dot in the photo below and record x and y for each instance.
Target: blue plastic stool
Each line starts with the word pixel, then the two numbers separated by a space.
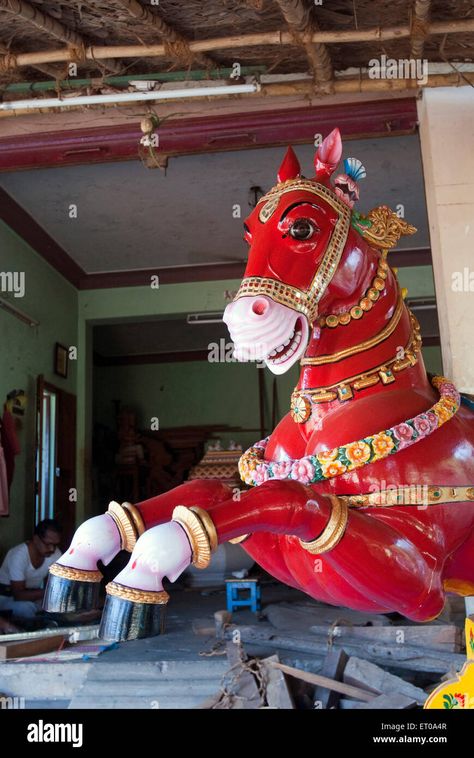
pixel 234 586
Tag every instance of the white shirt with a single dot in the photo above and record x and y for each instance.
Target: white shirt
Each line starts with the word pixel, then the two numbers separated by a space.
pixel 17 567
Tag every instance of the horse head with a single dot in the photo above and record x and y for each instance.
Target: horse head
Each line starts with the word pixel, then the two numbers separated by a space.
pixel 304 258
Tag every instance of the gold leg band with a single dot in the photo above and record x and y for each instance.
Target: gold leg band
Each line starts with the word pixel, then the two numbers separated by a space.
pixel 135 595
pixel 333 530
pixel 208 525
pixel 129 523
pixel 199 538
pixel 77 575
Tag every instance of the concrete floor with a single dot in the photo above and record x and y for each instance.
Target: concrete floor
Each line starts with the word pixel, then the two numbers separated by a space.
pixel 163 672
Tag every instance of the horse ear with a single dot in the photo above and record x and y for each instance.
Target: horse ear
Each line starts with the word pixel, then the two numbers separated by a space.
pixel 290 166
pixel 328 155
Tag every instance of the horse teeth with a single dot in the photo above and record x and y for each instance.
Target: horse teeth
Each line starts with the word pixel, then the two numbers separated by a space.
pixel 287 342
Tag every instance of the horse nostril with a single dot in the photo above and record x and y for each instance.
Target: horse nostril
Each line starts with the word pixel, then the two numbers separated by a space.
pixel 259 307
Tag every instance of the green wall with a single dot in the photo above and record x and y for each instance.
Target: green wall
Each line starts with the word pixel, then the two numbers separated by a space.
pixel 192 393
pixel 26 352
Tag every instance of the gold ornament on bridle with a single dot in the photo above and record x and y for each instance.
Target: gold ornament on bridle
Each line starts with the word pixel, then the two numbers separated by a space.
pixel 303 301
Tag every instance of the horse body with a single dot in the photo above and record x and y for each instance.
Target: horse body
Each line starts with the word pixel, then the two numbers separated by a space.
pixel 365 421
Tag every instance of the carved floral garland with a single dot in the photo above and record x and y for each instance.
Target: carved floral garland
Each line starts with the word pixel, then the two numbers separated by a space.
pixel 255 470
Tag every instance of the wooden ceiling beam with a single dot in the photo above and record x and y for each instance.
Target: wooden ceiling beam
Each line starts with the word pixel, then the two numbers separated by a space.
pixel 419 26
pixel 33 16
pixel 297 14
pixel 178 47
pixel 50 71
pixel 277 38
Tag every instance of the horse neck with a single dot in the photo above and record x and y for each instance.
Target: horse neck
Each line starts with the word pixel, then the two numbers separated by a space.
pixel 327 343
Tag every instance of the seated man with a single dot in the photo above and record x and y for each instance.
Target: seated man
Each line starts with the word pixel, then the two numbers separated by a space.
pixel 24 569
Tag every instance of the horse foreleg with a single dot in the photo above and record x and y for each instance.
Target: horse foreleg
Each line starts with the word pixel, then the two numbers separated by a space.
pixel 73 583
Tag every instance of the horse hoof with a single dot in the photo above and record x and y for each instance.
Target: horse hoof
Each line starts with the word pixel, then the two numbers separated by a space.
pixel 69 589
pixel 131 614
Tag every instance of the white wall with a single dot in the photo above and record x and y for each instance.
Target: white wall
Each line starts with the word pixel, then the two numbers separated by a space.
pixel 447 143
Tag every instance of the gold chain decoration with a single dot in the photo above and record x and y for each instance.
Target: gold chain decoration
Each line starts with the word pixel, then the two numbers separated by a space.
pixel 300 404
pixel 361 347
pixel 420 495
pixel 365 304
pixel 197 534
pixel 74 574
pixel 135 595
pixel 333 531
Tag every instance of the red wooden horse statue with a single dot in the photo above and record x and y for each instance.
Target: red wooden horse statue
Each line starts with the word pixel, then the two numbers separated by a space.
pixel 363 495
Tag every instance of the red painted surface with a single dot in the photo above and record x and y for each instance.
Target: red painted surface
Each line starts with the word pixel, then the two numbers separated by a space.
pixel 211 134
pixel 389 559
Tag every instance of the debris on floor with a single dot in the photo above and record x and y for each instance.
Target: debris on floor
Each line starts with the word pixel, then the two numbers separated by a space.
pixel 351 659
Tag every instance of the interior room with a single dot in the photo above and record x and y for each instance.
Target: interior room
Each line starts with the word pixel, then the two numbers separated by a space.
pixel 136 191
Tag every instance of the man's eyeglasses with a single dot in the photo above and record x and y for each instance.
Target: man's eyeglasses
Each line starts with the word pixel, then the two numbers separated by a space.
pixel 49 545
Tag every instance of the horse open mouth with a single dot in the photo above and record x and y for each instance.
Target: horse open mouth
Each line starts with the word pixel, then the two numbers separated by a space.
pixel 285 351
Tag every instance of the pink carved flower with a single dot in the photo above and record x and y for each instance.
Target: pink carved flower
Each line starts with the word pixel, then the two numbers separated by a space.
pixel 433 420
pixel 449 389
pixel 261 473
pixel 422 425
pixel 303 471
pixel 403 433
pixel 282 470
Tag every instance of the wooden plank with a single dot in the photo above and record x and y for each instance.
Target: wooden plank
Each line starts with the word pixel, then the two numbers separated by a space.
pixel 390 702
pixel 21 649
pixel 323 681
pixel 277 693
pixel 291 615
pixel 333 668
pixel 361 673
pixel 240 683
pixel 443 637
pixel 399 656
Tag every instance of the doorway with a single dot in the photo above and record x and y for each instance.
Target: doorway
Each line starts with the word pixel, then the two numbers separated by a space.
pixel 55 466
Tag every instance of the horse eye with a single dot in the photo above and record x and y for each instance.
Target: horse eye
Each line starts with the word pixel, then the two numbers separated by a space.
pixel 302 229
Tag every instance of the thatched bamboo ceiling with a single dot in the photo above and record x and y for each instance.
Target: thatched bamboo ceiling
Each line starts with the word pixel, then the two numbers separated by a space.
pixel 29 26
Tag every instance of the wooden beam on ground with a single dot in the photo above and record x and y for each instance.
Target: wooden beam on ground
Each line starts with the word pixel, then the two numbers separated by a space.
pixel 25 648
pixel 419 27
pixel 399 656
pixel 444 637
pixel 323 681
pixel 240 683
pixel 333 668
pixel 277 693
pixel 297 14
pixel 362 673
pixel 178 47
pixel 47 24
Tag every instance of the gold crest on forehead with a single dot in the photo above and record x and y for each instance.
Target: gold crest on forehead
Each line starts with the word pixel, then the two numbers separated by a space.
pixel 268 209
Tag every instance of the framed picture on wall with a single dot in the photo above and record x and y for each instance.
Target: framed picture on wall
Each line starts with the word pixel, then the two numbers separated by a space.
pixel 60 360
